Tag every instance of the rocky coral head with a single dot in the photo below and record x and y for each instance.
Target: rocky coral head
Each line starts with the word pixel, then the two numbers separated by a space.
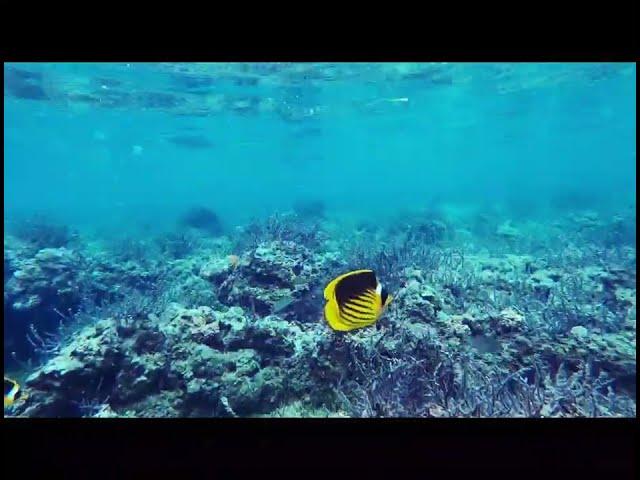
pixel 202 218
pixel 42 232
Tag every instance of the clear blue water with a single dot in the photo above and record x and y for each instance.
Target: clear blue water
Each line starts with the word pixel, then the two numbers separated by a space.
pixel 375 141
pixel 495 201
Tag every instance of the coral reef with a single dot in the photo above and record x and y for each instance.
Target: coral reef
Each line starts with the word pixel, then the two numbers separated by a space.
pixel 185 362
pixel 275 277
pixel 190 325
pixel 50 275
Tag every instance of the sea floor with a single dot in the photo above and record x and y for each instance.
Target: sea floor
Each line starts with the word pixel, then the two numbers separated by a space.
pixel 491 317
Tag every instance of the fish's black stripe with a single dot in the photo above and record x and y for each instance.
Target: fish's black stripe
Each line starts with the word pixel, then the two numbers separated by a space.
pixel 362 303
pixel 355 285
pixel 353 313
pixel 359 308
pixel 366 298
pixel 357 314
pixel 360 323
pixel 368 314
pixel 348 321
pixel 367 321
pixel 354 321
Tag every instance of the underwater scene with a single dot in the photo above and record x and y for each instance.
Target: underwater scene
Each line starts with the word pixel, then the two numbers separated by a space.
pixel 320 240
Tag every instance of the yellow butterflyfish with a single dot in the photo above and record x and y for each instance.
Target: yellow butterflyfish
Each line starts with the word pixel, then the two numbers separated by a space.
pixel 355 300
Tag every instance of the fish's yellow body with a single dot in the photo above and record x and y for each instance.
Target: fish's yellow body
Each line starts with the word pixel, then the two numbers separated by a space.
pixel 354 300
pixel 11 389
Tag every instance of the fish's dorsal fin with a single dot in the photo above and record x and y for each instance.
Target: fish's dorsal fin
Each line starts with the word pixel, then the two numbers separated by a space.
pixel 330 288
pixel 361 283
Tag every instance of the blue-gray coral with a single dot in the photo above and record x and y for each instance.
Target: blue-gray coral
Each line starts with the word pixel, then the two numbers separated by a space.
pixel 215 331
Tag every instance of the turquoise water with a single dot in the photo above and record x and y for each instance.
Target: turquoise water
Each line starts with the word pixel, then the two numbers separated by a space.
pixel 367 140
pixel 170 230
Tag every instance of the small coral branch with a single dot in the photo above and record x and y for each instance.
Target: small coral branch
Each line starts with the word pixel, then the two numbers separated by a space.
pixel 48 346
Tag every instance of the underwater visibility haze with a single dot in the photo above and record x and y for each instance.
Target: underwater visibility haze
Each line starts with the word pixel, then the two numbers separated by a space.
pixel 320 239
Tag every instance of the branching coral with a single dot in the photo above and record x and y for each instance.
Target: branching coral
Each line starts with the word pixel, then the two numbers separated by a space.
pixel 42 232
pixel 280 227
